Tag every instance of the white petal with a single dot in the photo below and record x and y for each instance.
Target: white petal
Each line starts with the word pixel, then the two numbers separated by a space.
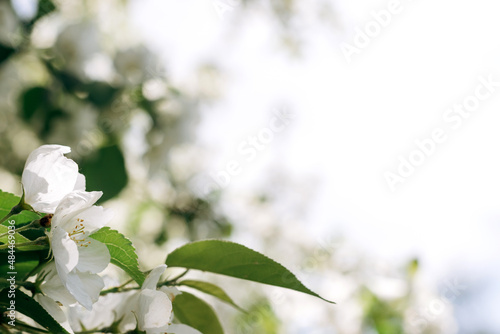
pixel 93 285
pixel 182 329
pixel 94 258
pixel 48 176
pixel 155 310
pixel 35 188
pixel 73 203
pixel 127 312
pixel 76 210
pixel 103 312
pixel 65 251
pixel 54 310
pixel 94 218
pixel 53 287
pixel 99 317
pixel 80 183
pixel 171 291
pixel 154 276
pixel 84 287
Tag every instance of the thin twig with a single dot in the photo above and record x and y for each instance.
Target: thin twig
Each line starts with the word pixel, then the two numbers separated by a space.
pixel 120 288
pixel 170 281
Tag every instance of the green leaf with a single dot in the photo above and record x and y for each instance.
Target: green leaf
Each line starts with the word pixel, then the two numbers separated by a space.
pixel 33 100
pixel 5 52
pixel 101 94
pixel 29 307
pixel 7 202
pixel 210 289
pixel 105 171
pixel 235 260
pixel 18 238
pixel 122 252
pixel 19 243
pixel 194 312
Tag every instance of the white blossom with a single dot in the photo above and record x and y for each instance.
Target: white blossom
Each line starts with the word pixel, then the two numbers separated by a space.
pixel 78 258
pixel 103 311
pixel 48 176
pixel 151 308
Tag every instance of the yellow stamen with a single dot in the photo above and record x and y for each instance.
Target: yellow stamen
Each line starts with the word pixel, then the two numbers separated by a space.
pixel 79 232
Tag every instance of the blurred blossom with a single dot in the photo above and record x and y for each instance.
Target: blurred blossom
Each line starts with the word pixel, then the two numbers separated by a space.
pixel 77 127
pixel 136 64
pixel 134 139
pixel 185 161
pixel 77 44
pixel 99 67
pixel 154 89
pixel 209 81
pixel 388 287
pixel 9 24
pixel 45 32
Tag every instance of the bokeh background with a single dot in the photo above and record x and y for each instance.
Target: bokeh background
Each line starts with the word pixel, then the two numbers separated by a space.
pixel 274 124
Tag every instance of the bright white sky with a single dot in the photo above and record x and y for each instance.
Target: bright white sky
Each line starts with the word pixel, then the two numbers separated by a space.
pixel 354 120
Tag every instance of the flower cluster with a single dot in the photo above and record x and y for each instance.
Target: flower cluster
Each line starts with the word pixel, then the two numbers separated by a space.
pixel 52 185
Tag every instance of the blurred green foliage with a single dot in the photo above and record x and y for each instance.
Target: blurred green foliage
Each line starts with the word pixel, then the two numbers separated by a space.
pixel 259 318
pixel 59 103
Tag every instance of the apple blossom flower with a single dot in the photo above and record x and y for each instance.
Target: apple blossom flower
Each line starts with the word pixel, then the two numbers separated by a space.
pixel 63 307
pixel 52 286
pixel 103 312
pixel 48 176
pixel 78 258
pixel 151 308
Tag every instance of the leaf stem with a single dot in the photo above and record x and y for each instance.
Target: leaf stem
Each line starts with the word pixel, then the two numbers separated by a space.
pixel 10 214
pixel 14 211
pixel 21 206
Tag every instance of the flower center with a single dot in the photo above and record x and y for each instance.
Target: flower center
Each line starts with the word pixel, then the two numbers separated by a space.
pixel 78 234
